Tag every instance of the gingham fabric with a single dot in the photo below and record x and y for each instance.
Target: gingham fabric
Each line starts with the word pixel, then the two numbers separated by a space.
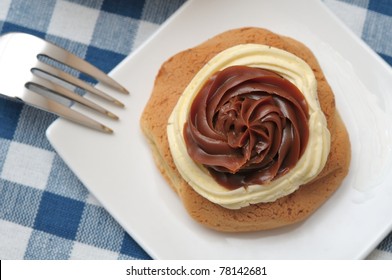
pixel 45 211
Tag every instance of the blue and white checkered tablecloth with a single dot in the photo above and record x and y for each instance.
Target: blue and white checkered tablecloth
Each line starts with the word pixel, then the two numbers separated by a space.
pixel 45 211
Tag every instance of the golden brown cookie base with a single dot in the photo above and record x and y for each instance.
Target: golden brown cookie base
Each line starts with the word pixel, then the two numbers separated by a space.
pixel 174 76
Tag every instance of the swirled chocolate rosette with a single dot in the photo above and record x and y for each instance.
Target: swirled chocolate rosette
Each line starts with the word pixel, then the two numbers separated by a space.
pixel 248 126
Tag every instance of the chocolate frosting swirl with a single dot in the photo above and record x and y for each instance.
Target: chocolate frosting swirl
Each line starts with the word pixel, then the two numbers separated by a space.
pixel 247 126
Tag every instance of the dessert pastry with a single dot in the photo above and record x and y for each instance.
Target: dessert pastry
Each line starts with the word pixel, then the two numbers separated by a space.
pixel 247 133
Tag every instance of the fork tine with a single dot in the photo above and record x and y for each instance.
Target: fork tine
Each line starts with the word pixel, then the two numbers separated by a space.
pixel 54 88
pixel 59 54
pixel 44 103
pixel 61 75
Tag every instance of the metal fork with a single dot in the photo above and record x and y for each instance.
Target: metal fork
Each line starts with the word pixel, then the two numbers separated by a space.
pixel 34 71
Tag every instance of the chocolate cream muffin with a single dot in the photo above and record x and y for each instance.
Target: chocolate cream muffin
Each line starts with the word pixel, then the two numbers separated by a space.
pixel 247 133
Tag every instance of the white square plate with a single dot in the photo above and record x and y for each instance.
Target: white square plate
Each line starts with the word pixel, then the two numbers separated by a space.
pixel 119 170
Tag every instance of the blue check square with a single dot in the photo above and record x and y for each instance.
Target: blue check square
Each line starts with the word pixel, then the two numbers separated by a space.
pixel 62 181
pixel 131 248
pixel 387 58
pixel 9 116
pixel 59 215
pixel 103 59
pixel 381 6
pixel 127 8
pixel 36 136
pixel 18 203
pixel 99 229
pixel 10 27
pixel 37 14
pixel 119 33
